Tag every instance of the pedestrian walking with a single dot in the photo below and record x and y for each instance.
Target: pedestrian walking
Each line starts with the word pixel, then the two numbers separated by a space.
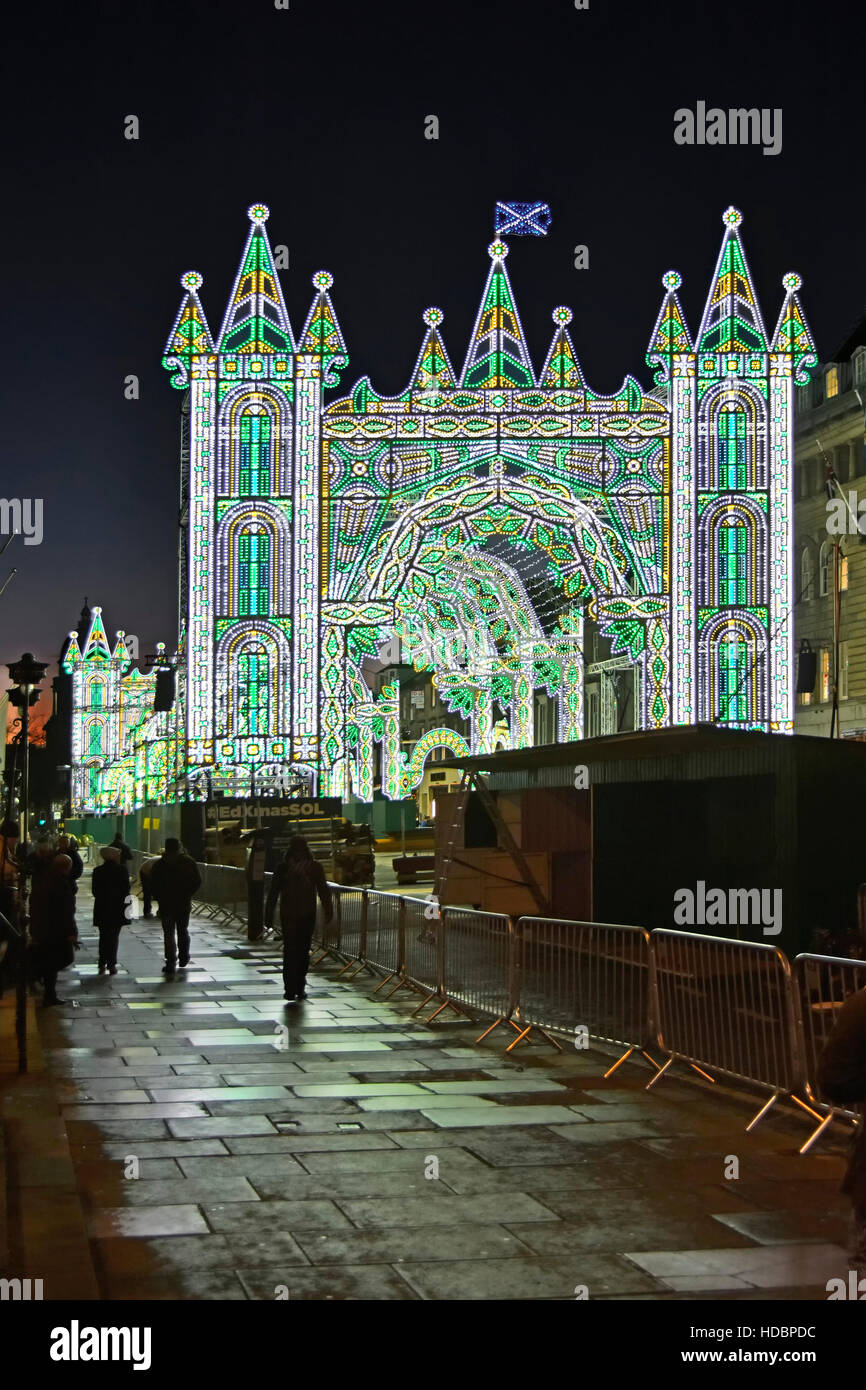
pixel 52 921
pixel 110 884
pixel 146 886
pixel 297 883
pixel 174 879
pixel 842 1079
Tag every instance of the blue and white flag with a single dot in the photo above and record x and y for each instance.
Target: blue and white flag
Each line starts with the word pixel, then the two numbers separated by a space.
pixel 522 219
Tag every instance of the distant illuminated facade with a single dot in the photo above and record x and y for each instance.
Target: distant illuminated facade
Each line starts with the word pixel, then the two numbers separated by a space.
pixel 481 517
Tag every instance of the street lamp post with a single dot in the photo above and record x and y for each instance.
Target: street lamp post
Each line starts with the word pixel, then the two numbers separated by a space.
pixel 25 674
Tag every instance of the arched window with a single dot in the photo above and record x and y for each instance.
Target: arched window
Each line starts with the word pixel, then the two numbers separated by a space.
pixel 732 442
pixel 255 454
pixel 96 695
pixel 807 576
pixel 731 561
pixel 254 572
pixel 733 679
pixel 253 691
pixel 94 740
pixel 825 569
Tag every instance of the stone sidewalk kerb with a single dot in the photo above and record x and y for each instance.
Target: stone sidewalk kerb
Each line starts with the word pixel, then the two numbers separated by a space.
pixel 226 1147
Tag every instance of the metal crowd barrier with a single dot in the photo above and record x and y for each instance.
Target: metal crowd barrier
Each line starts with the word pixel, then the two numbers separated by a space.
pixel 423 961
pixel 384 932
pixel 478 962
pixel 351 910
pixel 822 984
pixel 222 894
pixel 588 979
pixel 728 1005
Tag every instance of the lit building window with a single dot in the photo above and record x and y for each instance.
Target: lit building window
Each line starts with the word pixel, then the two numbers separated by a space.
pixel 843 670
pixel 825 674
pixel 831 383
pixel 843 572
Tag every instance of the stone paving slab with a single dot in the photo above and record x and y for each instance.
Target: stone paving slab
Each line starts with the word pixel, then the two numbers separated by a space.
pixel 343 1149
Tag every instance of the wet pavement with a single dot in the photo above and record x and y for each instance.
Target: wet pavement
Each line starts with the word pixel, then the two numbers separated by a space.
pixel 221 1146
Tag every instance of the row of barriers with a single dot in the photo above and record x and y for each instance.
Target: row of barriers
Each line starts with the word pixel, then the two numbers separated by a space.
pixel 737 1008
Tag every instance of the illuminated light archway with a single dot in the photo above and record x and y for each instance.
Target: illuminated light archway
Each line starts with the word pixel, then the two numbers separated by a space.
pixel 662 513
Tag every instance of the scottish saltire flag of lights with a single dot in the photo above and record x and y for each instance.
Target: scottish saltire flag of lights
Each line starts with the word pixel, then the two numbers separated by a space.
pixel 521 219
pixel 478 516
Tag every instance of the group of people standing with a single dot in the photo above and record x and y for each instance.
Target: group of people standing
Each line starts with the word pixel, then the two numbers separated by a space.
pixel 53 871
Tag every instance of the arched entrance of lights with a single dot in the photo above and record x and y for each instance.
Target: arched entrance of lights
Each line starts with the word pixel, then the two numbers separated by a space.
pixel 431 569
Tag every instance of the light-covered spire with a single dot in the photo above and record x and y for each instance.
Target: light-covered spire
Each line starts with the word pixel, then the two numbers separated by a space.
pixel 561 370
pixel 670 334
pixel 190 335
pixel 497 355
pixel 792 331
pixel 96 647
pixel 433 371
pixel 256 319
pixel 732 318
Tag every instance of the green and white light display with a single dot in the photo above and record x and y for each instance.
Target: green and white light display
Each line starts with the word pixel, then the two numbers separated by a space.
pixel 481 518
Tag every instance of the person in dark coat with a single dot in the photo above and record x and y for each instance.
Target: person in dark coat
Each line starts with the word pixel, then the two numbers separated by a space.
pixel 174 879
pixel 146 887
pixel 110 896
pixel 52 921
pixel 297 883
pixel 842 1079
pixel 125 852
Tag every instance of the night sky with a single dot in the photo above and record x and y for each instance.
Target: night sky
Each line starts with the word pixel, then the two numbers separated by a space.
pixel 319 112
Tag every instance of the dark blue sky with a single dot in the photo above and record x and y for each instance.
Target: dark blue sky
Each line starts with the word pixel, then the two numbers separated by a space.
pixel 319 112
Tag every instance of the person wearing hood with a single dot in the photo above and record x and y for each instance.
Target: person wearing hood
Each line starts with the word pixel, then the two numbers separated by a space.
pixel 297 884
pixel 66 845
pixel 110 896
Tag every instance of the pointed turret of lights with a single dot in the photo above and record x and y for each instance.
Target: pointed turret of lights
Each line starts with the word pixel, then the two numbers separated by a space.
pixel 670 334
pixel 190 335
pixel 72 653
pixel 256 319
pixel 561 370
pixel 322 335
pixel 96 647
pixel 497 355
pixel 792 334
pixel 121 652
pixel 732 319
pixel 433 372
